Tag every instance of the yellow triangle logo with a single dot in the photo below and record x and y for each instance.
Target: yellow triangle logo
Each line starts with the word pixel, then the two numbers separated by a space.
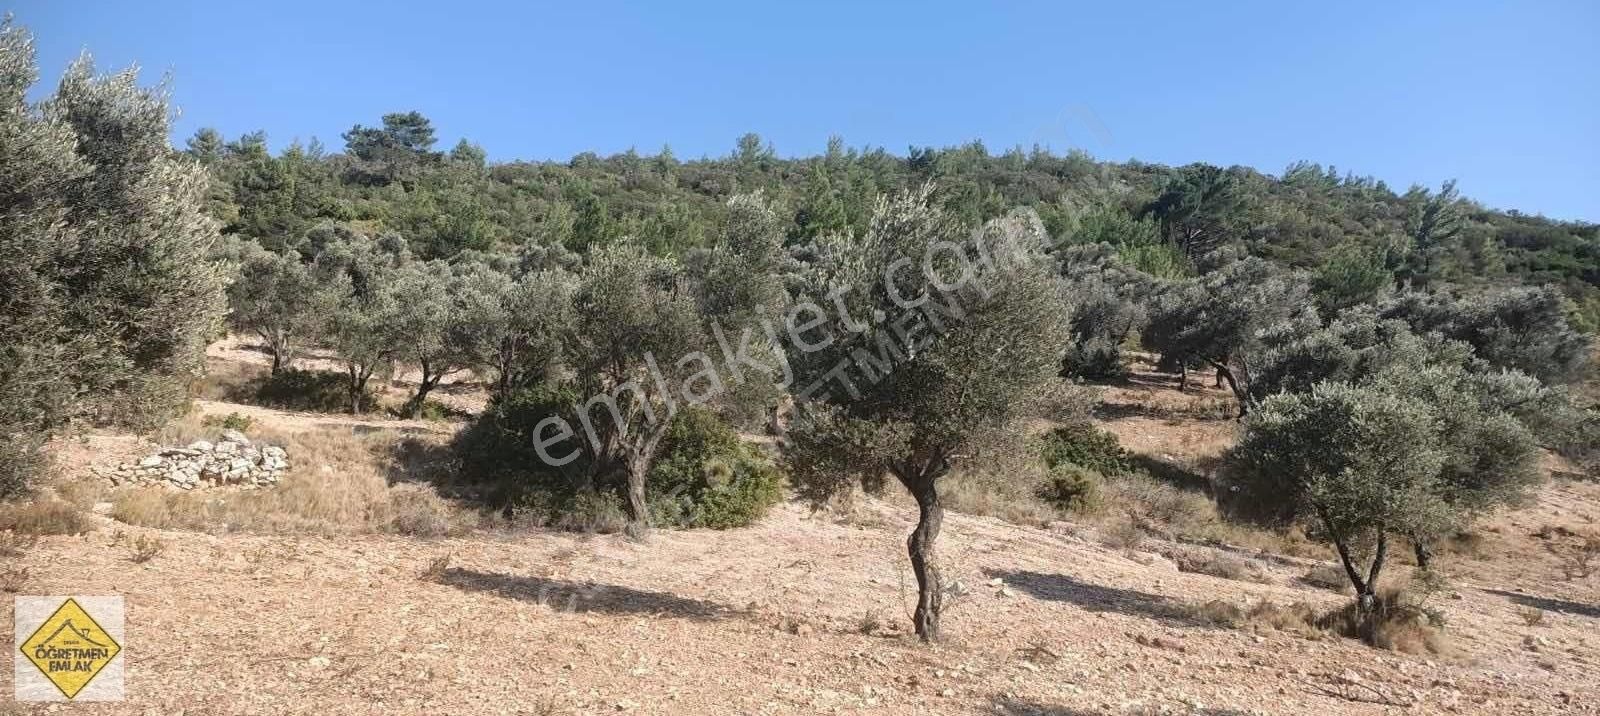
pixel 70 648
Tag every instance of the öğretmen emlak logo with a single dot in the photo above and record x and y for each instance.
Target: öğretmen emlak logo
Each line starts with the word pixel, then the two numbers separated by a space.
pixel 70 648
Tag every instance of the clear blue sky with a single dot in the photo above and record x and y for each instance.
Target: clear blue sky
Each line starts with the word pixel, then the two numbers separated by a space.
pixel 1503 96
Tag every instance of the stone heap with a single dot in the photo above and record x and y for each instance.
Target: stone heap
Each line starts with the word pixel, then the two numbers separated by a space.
pixel 233 460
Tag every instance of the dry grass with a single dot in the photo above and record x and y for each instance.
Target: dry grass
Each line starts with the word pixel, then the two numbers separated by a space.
pixel 13 546
pixel 1005 485
pixel 224 379
pixel 436 568
pixel 43 516
pixel 13 578
pixel 1222 566
pixel 1121 535
pixel 145 548
pixel 339 483
pixel 1328 576
pixel 1579 557
pixel 1398 623
pixel 983 494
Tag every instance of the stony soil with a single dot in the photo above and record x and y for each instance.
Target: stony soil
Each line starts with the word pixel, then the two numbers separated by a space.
pixel 803 613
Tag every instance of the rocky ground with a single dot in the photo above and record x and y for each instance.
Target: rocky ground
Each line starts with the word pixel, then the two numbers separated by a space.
pixel 802 613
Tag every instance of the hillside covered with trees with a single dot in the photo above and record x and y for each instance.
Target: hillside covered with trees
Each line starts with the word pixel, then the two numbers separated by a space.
pixel 1399 362
pixel 1356 235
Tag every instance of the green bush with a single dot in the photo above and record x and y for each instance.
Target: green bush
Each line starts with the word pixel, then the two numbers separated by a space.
pixel 1086 446
pixel 705 477
pixel 231 421
pixel 1074 488
pixel 309 390
pixel 497 451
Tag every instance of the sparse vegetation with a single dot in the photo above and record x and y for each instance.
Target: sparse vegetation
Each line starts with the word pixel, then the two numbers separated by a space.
pixel 144 548
pixel 613 344
pixel 339 486
pixel 1221 565
pixel 1579 557
pixel 44 516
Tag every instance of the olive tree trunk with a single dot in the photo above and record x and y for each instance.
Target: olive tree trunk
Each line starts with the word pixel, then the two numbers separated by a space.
pixel 920 546
pixel 1366 586
pixel 638 507
pixel 1423 551
pixel 430 380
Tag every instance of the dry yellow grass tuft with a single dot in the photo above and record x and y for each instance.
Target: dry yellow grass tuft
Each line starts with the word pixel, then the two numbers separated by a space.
pixel 42 516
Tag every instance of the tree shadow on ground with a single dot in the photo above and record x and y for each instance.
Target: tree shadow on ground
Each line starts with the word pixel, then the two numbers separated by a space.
pixel 1173 473
pixel 562 595
pixel 1098 598
pixel 1549 604
pixel 1027 707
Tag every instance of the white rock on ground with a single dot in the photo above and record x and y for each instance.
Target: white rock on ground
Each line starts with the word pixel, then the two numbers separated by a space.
pixel 233 460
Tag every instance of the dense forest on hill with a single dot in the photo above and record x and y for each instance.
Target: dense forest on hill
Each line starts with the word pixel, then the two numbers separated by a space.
pixel 454 205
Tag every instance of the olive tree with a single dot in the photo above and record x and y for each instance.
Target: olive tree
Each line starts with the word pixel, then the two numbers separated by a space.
pixel 363 328
pixel 934 344
pixel 107 292
pixel 528 325
pixel 1220 318
pixel 1487 416
pixel 1364 463
pixel 1526 328
pixel 1107 303
pixel 278 297
pixel 446 319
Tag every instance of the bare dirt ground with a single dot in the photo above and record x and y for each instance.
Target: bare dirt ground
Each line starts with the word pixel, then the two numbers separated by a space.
pixel 459 391
pixel 802 613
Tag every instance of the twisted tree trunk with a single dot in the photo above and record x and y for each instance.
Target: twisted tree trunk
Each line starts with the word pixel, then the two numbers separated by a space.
pixel 930 588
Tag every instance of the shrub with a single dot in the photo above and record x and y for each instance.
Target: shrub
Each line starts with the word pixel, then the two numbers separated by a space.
pixel 497 451
pixel 145 548
pixel 1073 488
pixel 1088 447
pixel 21 459
pixel 1395 622
pixel 705 477
pixel 1222 566
pixel 1094 358
pixel 588 511
pixel 232 421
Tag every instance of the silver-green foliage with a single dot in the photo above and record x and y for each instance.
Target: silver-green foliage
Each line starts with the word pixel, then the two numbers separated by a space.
pixel 106 294
pixel 1363 463
pixel 963 367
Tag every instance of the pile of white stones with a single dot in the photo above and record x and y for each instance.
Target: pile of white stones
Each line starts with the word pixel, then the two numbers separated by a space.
pixel 233 460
